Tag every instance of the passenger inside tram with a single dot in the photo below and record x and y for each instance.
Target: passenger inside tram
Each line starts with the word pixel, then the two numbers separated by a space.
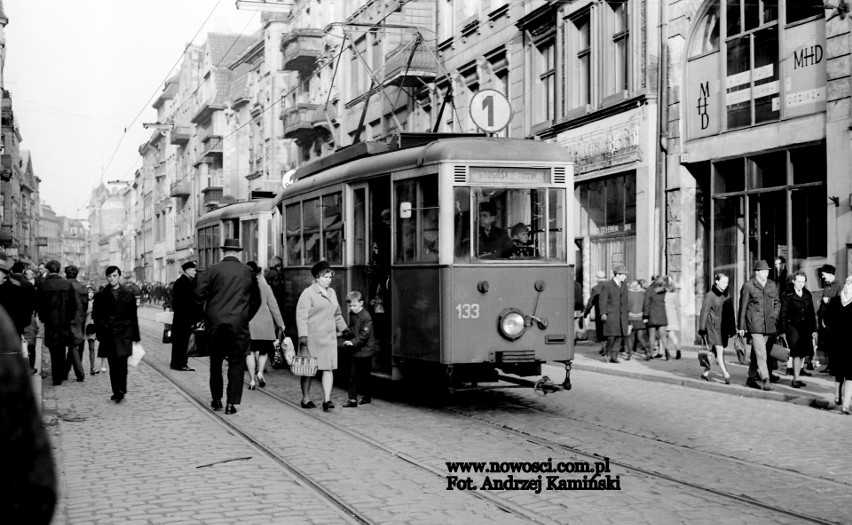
pixel 494 242
pixel 522 245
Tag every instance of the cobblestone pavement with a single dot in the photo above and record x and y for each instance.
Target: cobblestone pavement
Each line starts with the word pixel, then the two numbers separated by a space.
pixel 776 453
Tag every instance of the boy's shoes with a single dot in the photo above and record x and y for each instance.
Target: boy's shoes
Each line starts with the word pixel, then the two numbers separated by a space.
pixel 365 400
pixel 216 404
pixel 350 404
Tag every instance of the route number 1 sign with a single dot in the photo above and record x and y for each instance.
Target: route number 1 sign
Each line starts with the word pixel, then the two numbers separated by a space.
pixel 490 110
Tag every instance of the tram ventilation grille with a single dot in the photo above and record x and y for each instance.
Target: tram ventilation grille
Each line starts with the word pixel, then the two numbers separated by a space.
pixel 460 174
pixel 559 175
pixel 516 356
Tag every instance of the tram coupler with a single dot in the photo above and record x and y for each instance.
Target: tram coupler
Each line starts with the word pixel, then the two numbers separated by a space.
pixel 544 385
pixel 566 384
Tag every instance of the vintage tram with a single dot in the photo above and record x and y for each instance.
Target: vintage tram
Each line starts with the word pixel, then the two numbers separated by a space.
pixel 459 245
pixel 253 222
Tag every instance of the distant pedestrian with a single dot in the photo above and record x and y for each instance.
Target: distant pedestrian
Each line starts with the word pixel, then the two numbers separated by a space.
pixel 117 328
pixel 89 333
pixel 186 315
pixel 363 346
pixel 778 274
pixel 17 295
pixel 614 312
pixel 717 323
pixel 56 307
pixel 839 317
pixel 266 325
pixel 672 315
pixel 594 302
pixel 35 330
pixel 797 324
pixel 654 315
pixel 318 321
pixel 831 289
pixel 758 315
pixel 230 297
pixel 638 338
pixel 74 357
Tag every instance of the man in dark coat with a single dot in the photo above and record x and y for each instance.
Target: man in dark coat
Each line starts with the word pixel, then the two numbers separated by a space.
pixel 186 314
pixel 74 357
pixel 17 295
pixel 275 278
pixel 831 288
pixel 758 315
pixel 614 312
pixel 230 296
pixel 594 302
pixel 56 308
pixel 116 327
pixel 494 242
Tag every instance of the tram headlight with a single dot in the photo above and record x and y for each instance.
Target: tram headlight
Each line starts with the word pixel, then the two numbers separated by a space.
pixel 510 323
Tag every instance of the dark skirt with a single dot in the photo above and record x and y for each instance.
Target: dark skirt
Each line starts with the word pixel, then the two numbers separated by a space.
pixel 263 346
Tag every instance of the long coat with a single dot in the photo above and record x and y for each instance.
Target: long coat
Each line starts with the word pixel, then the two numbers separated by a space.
pixel 318 318
pixel 231 297
pixel 759 307
pixel 116 324
pixel 838 318
pixel 797 321
pixel 654 306
pixel 81 298
pixel 268 316
pixel 614 303
pixel 56 308
pixel 186 310
pixel 717 320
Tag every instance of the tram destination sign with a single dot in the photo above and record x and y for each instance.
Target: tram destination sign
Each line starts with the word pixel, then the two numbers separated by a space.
pixel 500 175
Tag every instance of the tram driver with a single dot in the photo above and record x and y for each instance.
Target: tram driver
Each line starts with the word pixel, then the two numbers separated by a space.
pixel 494 242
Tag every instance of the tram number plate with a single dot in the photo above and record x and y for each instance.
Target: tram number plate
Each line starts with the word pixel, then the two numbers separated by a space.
pixel 468 311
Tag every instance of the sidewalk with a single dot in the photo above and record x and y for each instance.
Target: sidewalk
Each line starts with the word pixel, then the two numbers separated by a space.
pixel 818 393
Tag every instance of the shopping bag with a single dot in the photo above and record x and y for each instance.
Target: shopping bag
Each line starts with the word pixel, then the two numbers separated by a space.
pixel 199 344
pixel 137 355
pixel 706 356
pixel 779 351
pixel 304 366
pixel 167 334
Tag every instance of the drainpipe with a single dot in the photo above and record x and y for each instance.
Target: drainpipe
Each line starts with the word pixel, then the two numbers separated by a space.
pixel 662 126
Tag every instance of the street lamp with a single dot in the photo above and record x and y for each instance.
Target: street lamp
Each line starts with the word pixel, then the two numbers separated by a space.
pixel 277 6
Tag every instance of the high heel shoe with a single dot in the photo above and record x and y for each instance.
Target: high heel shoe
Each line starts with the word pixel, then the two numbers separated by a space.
pixel 252 386
pixel 326 405
pixel 705 377
pixel 260 382
pixel 728 379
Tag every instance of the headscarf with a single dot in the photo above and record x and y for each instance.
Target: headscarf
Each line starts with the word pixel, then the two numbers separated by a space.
pixel 846 293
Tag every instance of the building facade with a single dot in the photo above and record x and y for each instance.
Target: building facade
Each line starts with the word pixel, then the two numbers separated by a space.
pixel 111 237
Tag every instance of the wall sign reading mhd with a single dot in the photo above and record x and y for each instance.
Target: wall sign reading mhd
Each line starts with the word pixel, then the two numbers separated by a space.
pixel 508 175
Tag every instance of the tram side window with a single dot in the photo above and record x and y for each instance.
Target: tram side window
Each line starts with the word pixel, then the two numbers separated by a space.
pixel 311 230
pixel 208 246
pixel 293 225
pixel 556 224
pixel 417 233
pixel 332 227
pixel 248 239
pixel 510 223
pixel 461 224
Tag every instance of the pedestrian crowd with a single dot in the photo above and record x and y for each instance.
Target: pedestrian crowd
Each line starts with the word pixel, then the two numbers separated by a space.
pixel 776 314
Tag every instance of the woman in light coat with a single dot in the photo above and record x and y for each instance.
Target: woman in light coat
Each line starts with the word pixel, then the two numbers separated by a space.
pixel 672 315
pixel 318 321
pixel 263 327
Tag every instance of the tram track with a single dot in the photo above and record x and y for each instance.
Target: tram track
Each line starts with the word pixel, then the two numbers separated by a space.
pixel 528 437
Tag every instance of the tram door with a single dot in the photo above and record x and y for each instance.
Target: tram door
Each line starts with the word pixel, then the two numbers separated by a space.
pixel 380 269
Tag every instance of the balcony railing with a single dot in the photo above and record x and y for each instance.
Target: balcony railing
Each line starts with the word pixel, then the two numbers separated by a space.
pixel 180 135
pixel 301 50
pixel 212 195
pixel 422 69
pixel 299 121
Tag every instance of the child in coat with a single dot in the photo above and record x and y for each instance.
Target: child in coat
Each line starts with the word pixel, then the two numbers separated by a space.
pixel 363 346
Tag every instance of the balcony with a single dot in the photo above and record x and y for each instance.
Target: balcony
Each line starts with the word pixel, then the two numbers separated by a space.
pixel 300 121
pixel 212 195
pixel 422 69
pixel 180 189
pixel 180 135
pixel 301 50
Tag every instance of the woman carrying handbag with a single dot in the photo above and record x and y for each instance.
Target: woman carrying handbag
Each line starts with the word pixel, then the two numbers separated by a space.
pixel 797 324
pixel 717 323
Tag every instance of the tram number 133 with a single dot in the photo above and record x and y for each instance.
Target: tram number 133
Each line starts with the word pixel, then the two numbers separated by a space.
pixel 468 311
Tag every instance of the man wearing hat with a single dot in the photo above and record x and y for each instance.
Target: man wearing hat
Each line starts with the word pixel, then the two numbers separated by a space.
pixel 186 314
pixel 614 308
pixel 494 242
pixel 831 288
pixel 594 302
pixel 230 296
pixel 758 315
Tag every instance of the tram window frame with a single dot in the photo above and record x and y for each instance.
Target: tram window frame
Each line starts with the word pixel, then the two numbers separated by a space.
pixel 249 239
pixel 311 231
pixel 332 228
pixel 293 234
pixel 511 211
pixel 415 242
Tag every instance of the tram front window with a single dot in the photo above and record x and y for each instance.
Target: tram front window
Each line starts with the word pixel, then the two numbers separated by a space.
pixel 509 224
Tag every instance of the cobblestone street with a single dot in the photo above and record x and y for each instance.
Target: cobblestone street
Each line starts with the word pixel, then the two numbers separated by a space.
pixel 681 454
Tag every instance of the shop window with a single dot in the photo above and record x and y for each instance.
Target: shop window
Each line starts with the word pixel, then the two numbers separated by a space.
pixel 729 176
pixel 767 171
pixel 609 219
pixel 809 224
pixel 332 228
pixel 293 227
pixel 417 232
pixel 808 164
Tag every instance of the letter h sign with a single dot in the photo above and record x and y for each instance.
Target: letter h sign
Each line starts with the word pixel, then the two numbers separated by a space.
pixel 703 96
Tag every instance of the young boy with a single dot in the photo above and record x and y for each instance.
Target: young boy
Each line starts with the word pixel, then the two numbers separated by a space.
pixel 363 347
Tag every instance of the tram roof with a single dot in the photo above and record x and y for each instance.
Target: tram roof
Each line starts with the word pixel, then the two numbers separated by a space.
pixel 238 209
pixel 466 149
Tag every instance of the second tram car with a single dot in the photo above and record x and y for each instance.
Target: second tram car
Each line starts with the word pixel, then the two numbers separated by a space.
pixel 460 247
pixel 251 222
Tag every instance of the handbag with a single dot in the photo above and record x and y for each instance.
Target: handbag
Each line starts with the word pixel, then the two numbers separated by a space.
pixel 739 346
pixel 198 344
pixel 90 329
pixel 167 334
pixel 137 355
pixel 779 351
pixel 706 357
